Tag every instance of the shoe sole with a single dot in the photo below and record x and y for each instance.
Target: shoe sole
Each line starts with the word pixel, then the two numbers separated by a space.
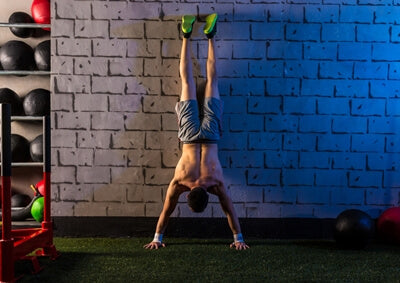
pixel 210 23
pixel 187 23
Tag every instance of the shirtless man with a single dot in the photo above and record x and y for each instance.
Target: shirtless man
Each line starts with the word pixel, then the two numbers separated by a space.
pixel 198 170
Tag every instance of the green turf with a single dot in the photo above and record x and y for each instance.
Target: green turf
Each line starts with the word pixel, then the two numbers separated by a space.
pixel 199 260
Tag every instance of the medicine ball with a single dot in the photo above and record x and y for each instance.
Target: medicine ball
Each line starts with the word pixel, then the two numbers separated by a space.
pixel 17 55
pixel 389 225
pixel 20 200
pixel 21 18
pixel 19 148
pixel 37 209
pixel 40 10
pixel 37 102
pixel 9 96
pixel 42 55
pixel 354 229
pixel 36 149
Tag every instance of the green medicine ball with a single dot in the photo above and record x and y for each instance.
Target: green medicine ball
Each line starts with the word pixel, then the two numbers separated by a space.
pixel 37 209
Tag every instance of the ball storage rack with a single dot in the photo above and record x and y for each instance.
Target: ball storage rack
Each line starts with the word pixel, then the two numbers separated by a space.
pixel 20 244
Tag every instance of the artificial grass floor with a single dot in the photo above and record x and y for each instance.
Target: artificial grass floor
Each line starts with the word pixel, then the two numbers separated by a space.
pixel 198 260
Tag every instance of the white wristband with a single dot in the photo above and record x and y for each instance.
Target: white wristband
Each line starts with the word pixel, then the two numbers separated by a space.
pixel 158 237
pixel 238 238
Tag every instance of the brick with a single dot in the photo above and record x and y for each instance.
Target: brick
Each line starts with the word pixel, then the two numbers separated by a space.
pixel 143 86
pixel 347 197
pixel 266 69
pixel 110 194
pixel 265 141
pixel 320 160
pixel 143 48
pixel 249 50
pixel 334 142
pixel 157 176
pixel 235 104
pixel 269 31
pixel 129 175
pixel 63 174
pixel 373 33
pixel 80 157
pixel 93 175
pixel 235 31
pixel 352 161
pixel 246 194
pixel 91 28
pixel 344 124
pixel 299 142
pixel 383 161
pixel 301 69
pixel 365 179
pixel 385 51
pixel 249 86
pixel 159 104
pixel 63 102
pixel 264 105
pixel 125 139
pixel 394 70
pixel 279 196
pixel 169 122
pixel 73 10
pixel 170 10
pixel 336 70
pixel 382 197
pixel 264 210
pixel 284 50
pixel 393 107
pixel 141 121
pixel 124 67
pixel 233 141
pixel 351 88
pixel 90 66
pixel 354 51
pixel 62 28
pixel 391 180
pixel 356 14
pixel 299 105
pixel 281 123
pixel 387 14
pixel 314 124
pixel 329 178
pixel 63 138
pixel 367 143
pixel 125 103
pixel 338 32
pixel 71 84
pixel 364 70
pixel 161 140
pixel 303 32
pixel 285 13
pixel 122 209
pixel 73 121
pixel 74 47
pixel 381 125
pixel 320 51
pixel 107 157
pixel 249 123
pixel 89 209
pixel 93 139
pixel 103 10
pixel 232 68
pixel 384 89
pixel 88 102
pixel 296 177
pixel 281 159
pixel 110 85
pixel 73 192
pixel 395 34
pixel 107 121
pixel 162 30
pixel 317 87
pixel 249 159
pixel 169 158
pixel 109 47
pixel 262 177
pixel 254 12
pixel 333 106
pixel 321 13
pixel 283 86
pixel 138 11
pixel 367 107
pixel 313 196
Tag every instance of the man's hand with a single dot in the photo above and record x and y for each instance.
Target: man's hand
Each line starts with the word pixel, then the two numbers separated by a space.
pixel 154 245
pixel 239 246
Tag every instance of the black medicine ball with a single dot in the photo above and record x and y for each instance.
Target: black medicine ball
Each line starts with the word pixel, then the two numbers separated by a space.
pixel 20 200
pixel 9 96
pixel 19 148
pixel 21 18
pixel 37 102
pixel 42 55
pixel 36 149
pixel 17 55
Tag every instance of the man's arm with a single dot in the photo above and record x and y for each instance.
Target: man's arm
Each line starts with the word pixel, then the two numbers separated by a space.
pixel 233 221
pixel 171 199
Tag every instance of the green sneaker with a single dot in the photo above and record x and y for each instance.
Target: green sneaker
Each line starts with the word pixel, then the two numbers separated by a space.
pixel 187 25
pixel 210 29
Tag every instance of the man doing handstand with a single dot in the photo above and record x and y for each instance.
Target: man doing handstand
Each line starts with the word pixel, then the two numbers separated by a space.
pixel 198 170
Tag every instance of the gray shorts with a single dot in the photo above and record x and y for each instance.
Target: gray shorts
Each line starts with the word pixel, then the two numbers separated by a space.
pixel 202 125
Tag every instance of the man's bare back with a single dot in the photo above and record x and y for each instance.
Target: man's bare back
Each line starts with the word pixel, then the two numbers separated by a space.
pixel 199 166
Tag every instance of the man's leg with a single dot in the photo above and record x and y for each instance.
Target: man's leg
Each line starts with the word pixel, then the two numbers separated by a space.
pixel 186 72
pixel 212 77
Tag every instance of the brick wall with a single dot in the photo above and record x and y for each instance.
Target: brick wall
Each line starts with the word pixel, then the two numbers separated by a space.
pixel 312 105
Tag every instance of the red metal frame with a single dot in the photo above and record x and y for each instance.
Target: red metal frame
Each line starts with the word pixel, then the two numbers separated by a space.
pixel 17 244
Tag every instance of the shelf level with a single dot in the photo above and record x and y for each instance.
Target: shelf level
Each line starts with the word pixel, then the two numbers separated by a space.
pixel 25 25
pixel 25 73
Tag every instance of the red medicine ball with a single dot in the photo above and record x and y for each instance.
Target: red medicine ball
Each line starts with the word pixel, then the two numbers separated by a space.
pixel 389 225
pixel 40 10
